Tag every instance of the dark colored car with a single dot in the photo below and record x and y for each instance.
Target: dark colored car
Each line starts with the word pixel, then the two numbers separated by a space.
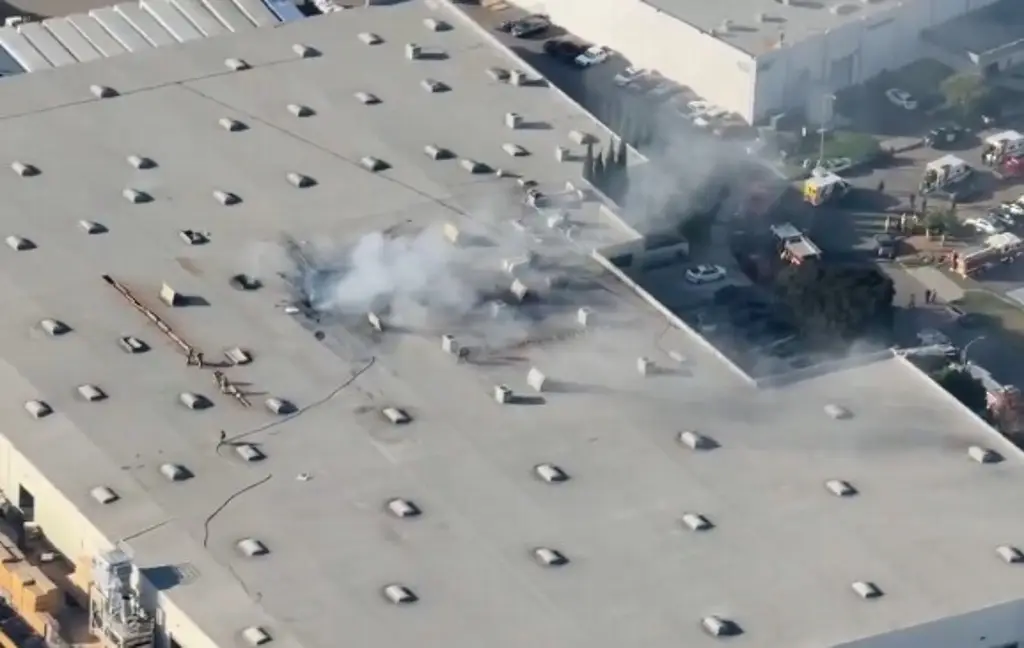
pixel 563 50
pixel 530 26
pixel 944 136
pixel 887 246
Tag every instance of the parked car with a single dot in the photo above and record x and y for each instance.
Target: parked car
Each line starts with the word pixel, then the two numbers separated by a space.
pixel 530 26
pixel 887 246
pixel 563 50
pixel 944 136
pixel 901 98
pixel 704 274
pixel 1015 208
pixel 628 75
pixel 593 55
pixel 1004 216
pixel 984 225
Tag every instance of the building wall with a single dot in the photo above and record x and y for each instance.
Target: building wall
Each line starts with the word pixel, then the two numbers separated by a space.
pixel 999 626
pixel 802 74
pixel 654 40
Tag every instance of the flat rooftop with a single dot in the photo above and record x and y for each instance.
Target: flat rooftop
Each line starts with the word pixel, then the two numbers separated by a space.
pixel 996 28
pixel 756 25
pixel 783 551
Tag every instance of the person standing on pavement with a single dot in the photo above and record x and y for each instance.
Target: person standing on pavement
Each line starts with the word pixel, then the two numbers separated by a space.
pixel 913 200
pixel 881 186
pixel 927 295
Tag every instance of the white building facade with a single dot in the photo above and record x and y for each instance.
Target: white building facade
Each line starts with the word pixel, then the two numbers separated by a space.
pixel 772 66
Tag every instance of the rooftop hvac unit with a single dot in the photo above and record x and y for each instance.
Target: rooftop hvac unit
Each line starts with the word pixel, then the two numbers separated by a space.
pixel 112 571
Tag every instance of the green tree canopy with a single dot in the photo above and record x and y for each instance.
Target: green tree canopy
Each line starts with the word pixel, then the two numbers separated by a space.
pixel 963 386
pixel 837 303
pixel 941 221
pixel 967 93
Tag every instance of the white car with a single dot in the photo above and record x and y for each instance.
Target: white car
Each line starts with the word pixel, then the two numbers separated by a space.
pixel 593 55
pixel 629 75
pixel 1015 208
pixel 983 225
pixel 901 98
pixel 703 274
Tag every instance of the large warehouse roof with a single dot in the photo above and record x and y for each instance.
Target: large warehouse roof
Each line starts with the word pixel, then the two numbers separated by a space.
pixel 781 552
pixel 757 26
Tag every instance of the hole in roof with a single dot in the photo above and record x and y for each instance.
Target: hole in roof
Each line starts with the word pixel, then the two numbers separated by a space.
pixel 232 125
pixel 92 227
pixel 24 169
pixel 132 344
pixel 249 452
pixel 403 508
pixel 255 636
pixel 299 110
pixel 550 557
pixel 19 243
pixel 54 327
pixel 399 594
pixel 175 472
pixel 91 393
pixel 104 495
pixel 252 547
pixel 194 401
pixel 551 473
pixel 38 409
pixel 280 405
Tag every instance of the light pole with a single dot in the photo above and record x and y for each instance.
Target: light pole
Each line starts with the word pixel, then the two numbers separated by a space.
pixel 826 116
pixel 963 352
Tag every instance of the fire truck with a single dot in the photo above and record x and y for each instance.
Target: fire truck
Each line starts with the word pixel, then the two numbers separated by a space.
pixel 997 249
pixel 1005 404
pixel 1003 152
pixel 824 187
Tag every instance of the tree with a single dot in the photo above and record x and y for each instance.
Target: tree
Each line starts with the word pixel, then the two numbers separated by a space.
pixel 840 304
pixel 964 387
pixel 967 93
pixel 941 221
pixel 588 163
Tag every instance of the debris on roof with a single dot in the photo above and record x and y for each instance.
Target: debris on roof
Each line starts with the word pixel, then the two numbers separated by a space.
pixel 837 412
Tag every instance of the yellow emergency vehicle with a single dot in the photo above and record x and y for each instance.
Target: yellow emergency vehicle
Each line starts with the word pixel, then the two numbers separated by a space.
pixel 822 187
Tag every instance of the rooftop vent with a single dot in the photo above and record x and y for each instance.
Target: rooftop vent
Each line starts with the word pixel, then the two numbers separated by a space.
pixel 402 508
pixel 102 91
pixel 433 85
pixel 92 227
pixel 435 152
pixel 370 38
pixel 192 237
pixel 840 488
pixel 91 393
pixel 226 198
pixel 436 25
pixel 132 344
pixel 300 110
pixel 412 51
pixel 399 594
pixel 194 401
pixel 473 166
pixel 761 17
pixel 696 441
pixel 305 51
pixel 375 321
pixel 513 120
pixel 300 180
pixel 19 243
pixel 536 379
pixel 696 522
pixel 38 409
pixel 373 164
pixel 54 327
pixel 725 26
pixel 497 73
pixel 252 547
pixel 518 78
pixel 368 98
pixel 136 196
pixel 170 296
pixel 837 412
pixel 984 455
pixel 396 416
pixel 585 316
pixel 279 406
pixel 866 589
pixel 551 473
pixel 175 472
pixel 550 557
pixel 238 356
pixel 514 150
pixel 1010 554
pixel 503 394
pixel 249 452
pixel 25 170
pixel 717 626
pixel 645 366
pixel 236 64
pixel 104 495
pixel 255 636
pixel 581 138
pixel 232 125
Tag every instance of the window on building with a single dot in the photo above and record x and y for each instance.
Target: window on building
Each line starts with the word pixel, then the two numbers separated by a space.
pixel 27 503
